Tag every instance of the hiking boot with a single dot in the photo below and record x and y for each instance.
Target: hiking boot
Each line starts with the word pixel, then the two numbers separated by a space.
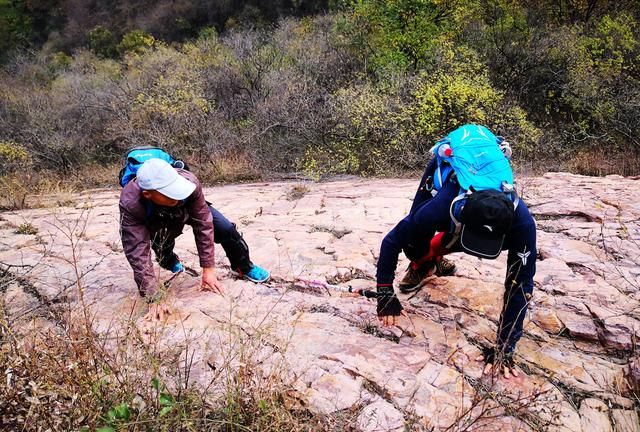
pixel 412 279
pixel 256 274
pixel 445 267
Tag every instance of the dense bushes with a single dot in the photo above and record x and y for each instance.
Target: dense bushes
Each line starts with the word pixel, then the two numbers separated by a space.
pixel 365 90
pixel 68 24
pixel 262 96
pixel 574 68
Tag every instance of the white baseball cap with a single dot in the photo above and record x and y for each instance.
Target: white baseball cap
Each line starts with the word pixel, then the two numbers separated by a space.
pixel 159 175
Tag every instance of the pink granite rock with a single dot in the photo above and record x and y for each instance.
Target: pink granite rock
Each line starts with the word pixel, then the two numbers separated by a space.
pixel 632 375
pixel 329 348
pixel 380 416
pixel 594 416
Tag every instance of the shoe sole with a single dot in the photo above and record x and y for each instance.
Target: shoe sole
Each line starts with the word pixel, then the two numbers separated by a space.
pixel 443 274
pixel 408 289
pixel 449 272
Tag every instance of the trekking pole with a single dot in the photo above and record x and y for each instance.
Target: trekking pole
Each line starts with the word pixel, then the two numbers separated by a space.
pixel 347 289
pixel 187 270
pixel 191 272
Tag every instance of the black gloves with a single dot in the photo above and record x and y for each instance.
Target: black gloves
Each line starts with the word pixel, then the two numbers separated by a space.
pixel 388 303
pixel 492 356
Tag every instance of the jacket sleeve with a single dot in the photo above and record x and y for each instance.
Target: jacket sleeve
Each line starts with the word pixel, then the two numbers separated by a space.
pixel 136 245
pixel 201 221
pixel 521 268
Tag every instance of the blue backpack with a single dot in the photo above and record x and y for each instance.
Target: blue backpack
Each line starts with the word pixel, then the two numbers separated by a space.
pixel 139 155
pixel 479 162
pixel 476 157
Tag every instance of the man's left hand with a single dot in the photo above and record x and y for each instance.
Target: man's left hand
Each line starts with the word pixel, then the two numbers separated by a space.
pixel 498 362
pixel 157 312
pixel 210 281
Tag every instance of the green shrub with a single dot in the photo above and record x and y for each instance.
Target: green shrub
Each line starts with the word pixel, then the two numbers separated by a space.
pixel 400 34
pixel 26 228
pixel 372 134
pixel 12 156
pixel 137 42
pixel 365 91
pixel 602 76
pixel 16 26
pixel 456 91
pixel 102 42
pixel 387 128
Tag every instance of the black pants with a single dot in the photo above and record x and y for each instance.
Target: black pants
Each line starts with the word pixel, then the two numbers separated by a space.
pixel 224 233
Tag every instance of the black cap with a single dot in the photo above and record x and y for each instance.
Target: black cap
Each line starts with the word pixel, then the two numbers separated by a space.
pixel 486 217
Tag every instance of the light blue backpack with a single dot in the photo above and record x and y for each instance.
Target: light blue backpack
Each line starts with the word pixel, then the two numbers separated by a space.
pixel 479 161
pixel 139 155
pixel 473 152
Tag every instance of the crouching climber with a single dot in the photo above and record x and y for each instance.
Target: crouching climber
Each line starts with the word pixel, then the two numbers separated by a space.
pixel 466 202
pixel 156 202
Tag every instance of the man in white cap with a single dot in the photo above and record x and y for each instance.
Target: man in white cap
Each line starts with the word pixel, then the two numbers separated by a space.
pixel 154 208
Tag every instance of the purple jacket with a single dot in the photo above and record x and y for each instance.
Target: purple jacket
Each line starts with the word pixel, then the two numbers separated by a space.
pixel 137 229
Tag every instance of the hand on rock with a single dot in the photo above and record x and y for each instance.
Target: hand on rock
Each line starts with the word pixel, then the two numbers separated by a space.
pixel 210 281
pixel 389 307
pixel 498 362
pixel 158 312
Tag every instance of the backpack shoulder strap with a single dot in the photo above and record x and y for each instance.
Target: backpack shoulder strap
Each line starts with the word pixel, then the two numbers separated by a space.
pixel 454 210
pixel 443 170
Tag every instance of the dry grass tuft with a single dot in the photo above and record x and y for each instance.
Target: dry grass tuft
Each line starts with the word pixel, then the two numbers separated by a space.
pixel 599 162
pixel 227 168
pixel 297 191
pixel 35 189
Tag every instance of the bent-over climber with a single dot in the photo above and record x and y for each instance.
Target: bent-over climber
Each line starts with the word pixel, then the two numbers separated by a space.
pixel 466 202
pixel 155 204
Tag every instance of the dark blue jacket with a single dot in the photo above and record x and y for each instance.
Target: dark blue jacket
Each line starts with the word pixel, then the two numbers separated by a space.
pixel 431 214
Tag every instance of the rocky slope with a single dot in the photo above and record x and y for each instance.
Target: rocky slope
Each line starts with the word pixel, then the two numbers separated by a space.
pixel 580 335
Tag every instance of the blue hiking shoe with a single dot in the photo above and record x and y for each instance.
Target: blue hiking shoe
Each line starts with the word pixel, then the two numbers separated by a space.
pixel 256 274
pixel 177 267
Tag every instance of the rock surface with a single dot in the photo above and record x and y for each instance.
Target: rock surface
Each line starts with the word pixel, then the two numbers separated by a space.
pixel 581 331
